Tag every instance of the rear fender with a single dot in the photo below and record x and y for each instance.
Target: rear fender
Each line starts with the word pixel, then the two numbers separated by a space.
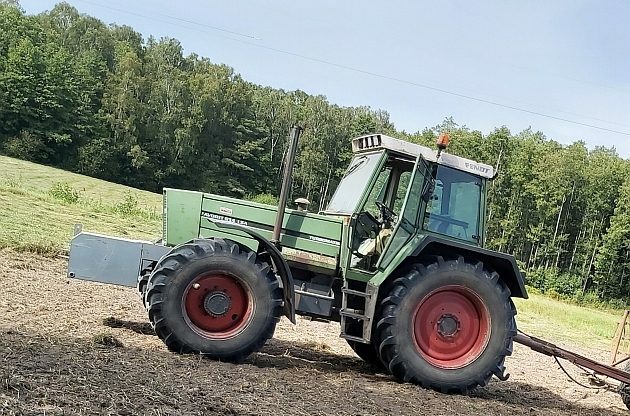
pixel 504 264
pixel 279 263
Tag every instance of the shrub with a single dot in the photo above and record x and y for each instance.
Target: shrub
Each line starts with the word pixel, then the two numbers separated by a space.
pixel 552 282
pixel 586 298
pixel 567 287
pixel 564 284
pixel 267 199
pixel 128 206
pixel 533 290
pixel 616 304
pixel 26 146
pixel 64 192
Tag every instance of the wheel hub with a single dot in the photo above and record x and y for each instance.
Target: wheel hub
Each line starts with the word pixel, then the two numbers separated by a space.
pixel 448 326
pixel 217 304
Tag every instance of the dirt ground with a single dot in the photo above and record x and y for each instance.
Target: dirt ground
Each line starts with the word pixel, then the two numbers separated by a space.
pixel 52 363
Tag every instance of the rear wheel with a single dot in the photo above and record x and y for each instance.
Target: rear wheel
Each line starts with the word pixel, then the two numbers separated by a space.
pixel 213 298
pixel 446 325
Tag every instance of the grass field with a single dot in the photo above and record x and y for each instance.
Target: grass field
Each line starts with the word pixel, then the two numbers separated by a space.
pixel 563 322
pixel 40 205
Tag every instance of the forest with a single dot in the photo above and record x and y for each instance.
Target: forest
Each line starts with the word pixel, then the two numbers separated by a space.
pixel 101 100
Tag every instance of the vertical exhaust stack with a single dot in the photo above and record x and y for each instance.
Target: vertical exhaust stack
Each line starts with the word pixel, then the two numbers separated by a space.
pixel 294 135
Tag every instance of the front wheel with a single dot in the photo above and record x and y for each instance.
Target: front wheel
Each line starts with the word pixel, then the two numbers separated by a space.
pixel 214 298
pixel 446 325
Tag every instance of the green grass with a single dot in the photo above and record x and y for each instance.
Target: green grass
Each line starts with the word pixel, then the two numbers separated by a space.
pixel 40 206
pixel 561 322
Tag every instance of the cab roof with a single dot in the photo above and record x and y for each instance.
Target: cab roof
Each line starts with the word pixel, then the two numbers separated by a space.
pixel 371 142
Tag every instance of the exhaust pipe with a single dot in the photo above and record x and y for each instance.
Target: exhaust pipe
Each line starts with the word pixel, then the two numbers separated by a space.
pixel 294 135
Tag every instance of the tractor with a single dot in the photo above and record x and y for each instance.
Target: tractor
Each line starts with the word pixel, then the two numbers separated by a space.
pixel 397 258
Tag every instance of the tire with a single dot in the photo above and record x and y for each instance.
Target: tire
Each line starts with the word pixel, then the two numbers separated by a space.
pixel 143 280
pixel 211 297
pixel 624 389
pixel 446 325
pixel 367 352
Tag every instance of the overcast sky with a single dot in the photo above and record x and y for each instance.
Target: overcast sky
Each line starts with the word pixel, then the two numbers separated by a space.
pixel 566 59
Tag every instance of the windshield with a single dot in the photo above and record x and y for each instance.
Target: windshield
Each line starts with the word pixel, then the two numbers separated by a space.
pixel 353 183
pixel 453 209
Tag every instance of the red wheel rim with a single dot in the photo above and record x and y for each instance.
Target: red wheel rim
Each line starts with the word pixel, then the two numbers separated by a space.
pixel 217 305
pixel 451 327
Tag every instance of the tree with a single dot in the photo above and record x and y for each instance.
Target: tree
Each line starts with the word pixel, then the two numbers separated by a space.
pixel 10 3
pixel 613 259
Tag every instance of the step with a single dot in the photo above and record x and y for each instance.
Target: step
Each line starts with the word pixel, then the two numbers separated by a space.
pixel 355 293
pixel 353 338
pixel 353 313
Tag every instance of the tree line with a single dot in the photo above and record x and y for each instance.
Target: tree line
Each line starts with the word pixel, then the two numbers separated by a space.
pixel 99 99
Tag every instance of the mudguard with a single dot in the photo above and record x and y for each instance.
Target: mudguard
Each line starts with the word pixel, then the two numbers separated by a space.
pixel 502 263
pixel 282 268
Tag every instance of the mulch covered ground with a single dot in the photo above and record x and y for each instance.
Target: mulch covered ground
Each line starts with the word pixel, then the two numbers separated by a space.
pixel 71 347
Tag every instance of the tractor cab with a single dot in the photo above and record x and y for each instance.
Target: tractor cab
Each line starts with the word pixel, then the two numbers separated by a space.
pixel 393 190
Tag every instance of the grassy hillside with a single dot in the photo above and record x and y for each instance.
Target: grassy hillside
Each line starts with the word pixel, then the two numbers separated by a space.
pixel 562 322
pixel 40 205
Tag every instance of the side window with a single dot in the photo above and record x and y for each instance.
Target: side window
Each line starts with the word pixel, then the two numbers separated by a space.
pixel 403 184
pixel 378 191
pixel 453 209
pixel 354 183
pixel 384 180
pixel 464 205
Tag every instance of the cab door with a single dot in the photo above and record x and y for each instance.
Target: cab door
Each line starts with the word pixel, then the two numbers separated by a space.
pixel 409 218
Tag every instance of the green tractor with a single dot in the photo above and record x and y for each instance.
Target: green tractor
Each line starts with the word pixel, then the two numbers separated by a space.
pixel 397 258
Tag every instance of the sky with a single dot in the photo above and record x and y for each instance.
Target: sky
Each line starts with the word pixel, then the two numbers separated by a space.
pixel 561 67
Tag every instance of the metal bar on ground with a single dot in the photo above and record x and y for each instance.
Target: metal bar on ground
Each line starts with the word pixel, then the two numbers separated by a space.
pixel 550 349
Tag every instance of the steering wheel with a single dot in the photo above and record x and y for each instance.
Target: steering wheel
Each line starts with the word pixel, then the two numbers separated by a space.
pixel 387 214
